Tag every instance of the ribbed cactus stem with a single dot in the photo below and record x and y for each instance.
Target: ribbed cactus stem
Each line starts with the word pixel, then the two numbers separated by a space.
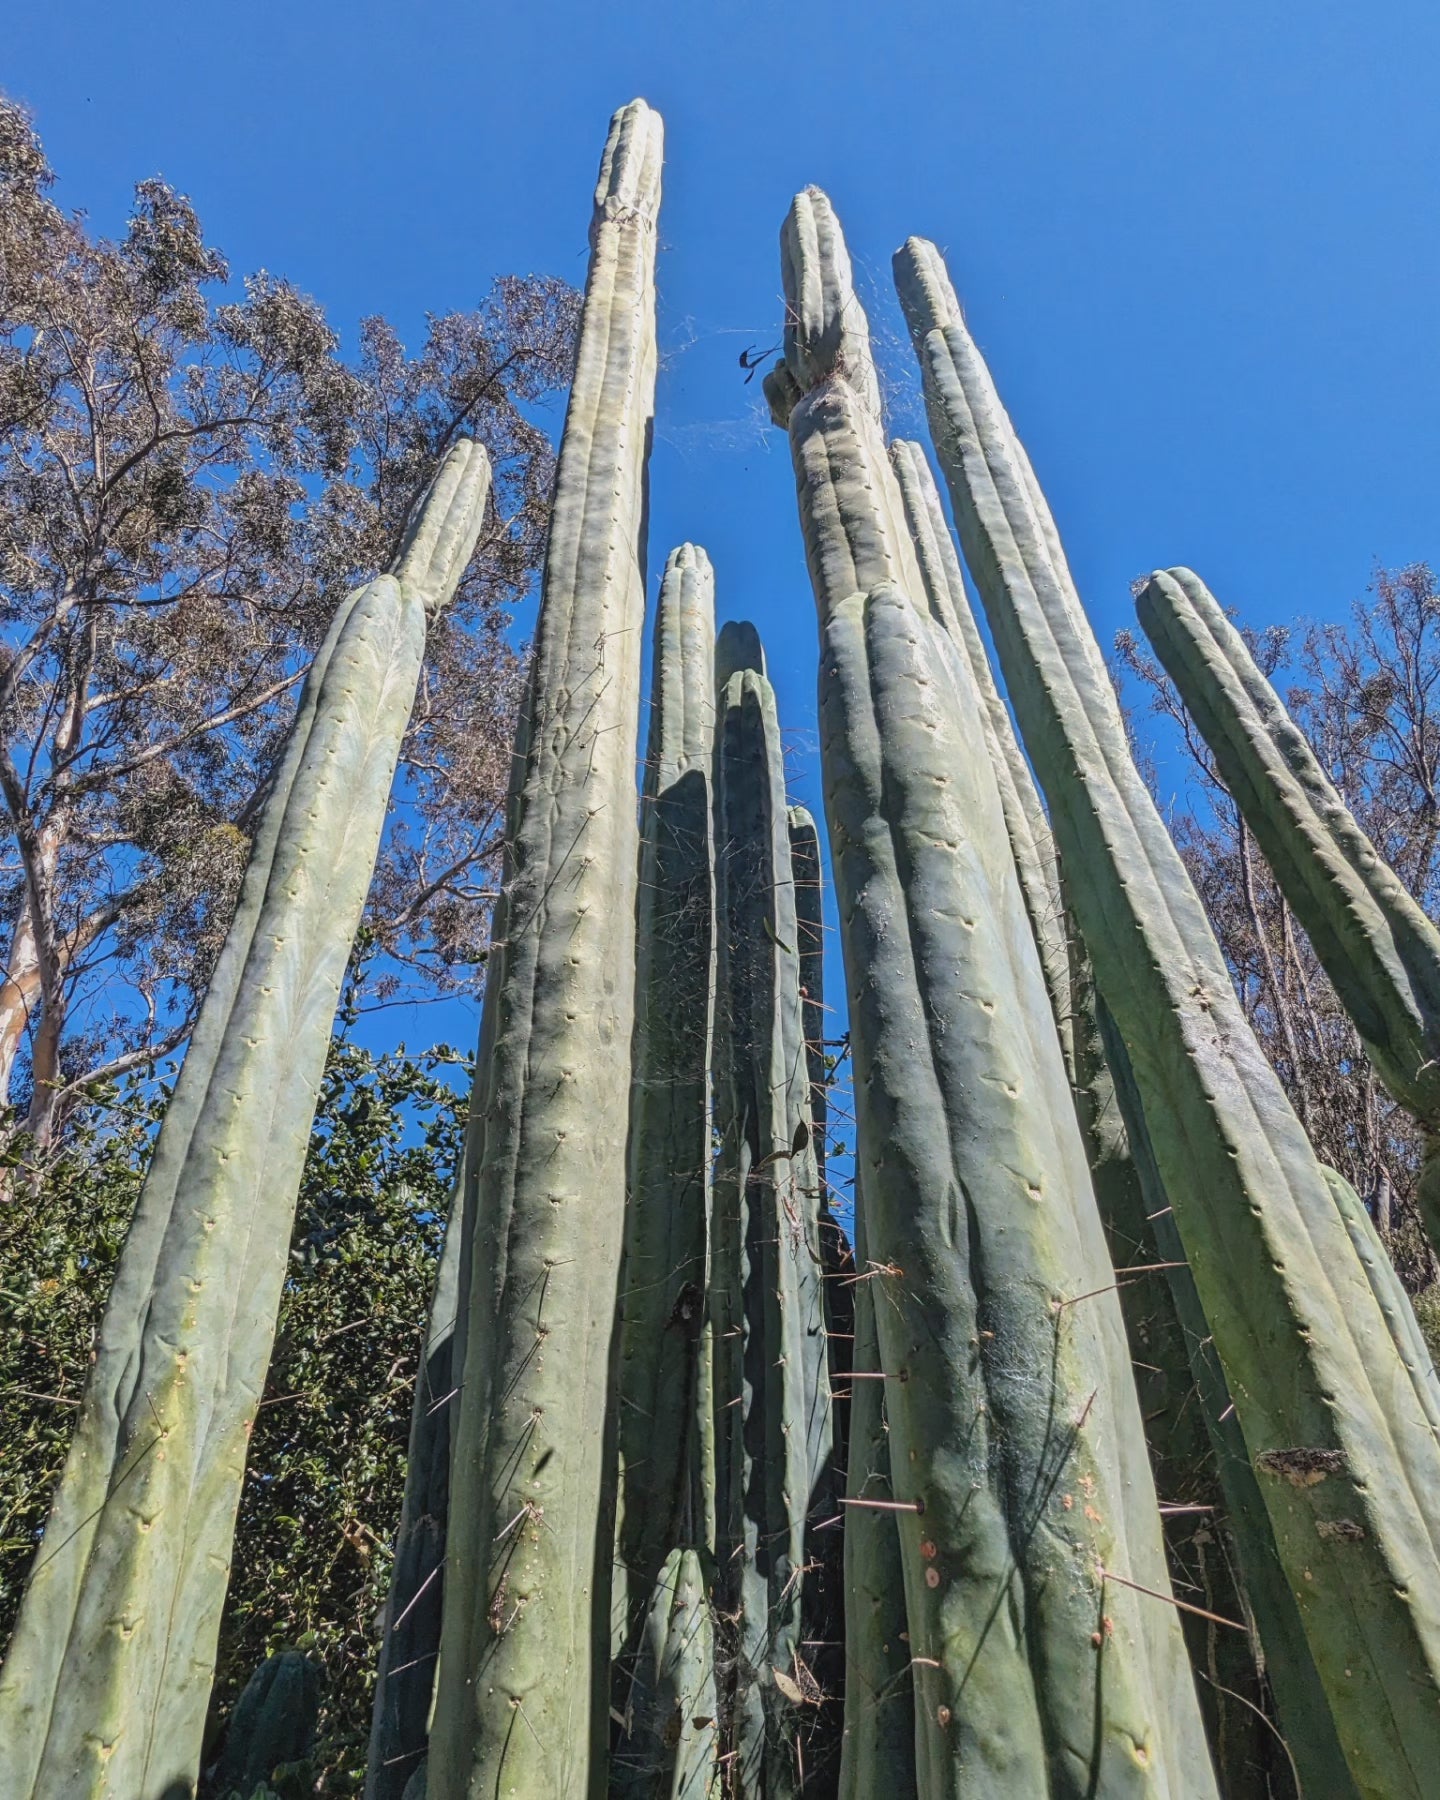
pixel 521 1698
pixel 1373 939
pixel 667 1221
pixel 1342 1448
pixel 1016 1446
pixel 670 1746
pixel 108 1679
pixel 877 1754
pixel 1025 821
pixel 273 1725
pixel 772 1395
pixel 405 1680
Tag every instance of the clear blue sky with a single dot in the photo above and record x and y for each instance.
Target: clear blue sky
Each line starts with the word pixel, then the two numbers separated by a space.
pixel 1200 245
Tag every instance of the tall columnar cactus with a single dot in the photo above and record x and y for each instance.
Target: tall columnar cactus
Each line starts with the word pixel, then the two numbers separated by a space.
pixel 1375 942
pixel 1336 1424
pixel 1027 1515
pixel 771 1389
pixel 667 1225
pixel 521 1695
pixel 108 1678
pixel 1241 1737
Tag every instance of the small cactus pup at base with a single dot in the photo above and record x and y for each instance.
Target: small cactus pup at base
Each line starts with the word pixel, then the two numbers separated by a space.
pixel 108 1678
pixel 522 1690
pixel 771 1384
pixel 667 1218
pixel 272 1729
pixel 1342 1447
pixel 669 1746
pixel 1373 939
pixel 1023 1500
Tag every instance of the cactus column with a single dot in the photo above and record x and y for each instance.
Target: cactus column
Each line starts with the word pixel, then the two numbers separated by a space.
pixel 771 1388
pixel 1016 1447
pixel 1375 942
pixel 667 1223
pixel 109 1674
pixel 1336 1424
pixel 521 1697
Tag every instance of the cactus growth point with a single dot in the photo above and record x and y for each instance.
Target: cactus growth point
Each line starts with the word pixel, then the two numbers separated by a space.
pixel 522 1687
pixel 1033 1671
pixel 1374 941
pixel 670 1748
pixel 273 1725
pixel 108 1678
pixel 1342 1448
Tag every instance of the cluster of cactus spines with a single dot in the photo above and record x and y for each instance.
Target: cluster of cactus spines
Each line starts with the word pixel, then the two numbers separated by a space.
pixel 272 1728
pixel 667 1219
pixel 669 1749
pixel 521 1695
pixel 1373 939
pixel 771 1389
pixel 108 1678
pixel 1026 1509
pixel 1343 1451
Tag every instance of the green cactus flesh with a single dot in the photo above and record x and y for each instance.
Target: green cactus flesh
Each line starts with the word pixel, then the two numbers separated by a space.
pixel 771 1389
pixel 405 1680
pixel 663 1298
pixel 273 1725
pixel 669 1749
pixel 1375 942
pixel 1342 1447
pixel 521 1695
pixel 1016 1447
pixel 108 1678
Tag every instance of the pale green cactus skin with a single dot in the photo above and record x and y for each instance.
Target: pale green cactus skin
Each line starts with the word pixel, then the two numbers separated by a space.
pixel 108 1679
pixel 521 1699
pixel 671 1750
pixel 877 1753
pixel 1374 941
pixel 1033 1673
pixel 1339 1438
pixel 1249 1758
pixel 667 1221
pixel 405 1680
pixel 1025 821
pixel 766 1314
